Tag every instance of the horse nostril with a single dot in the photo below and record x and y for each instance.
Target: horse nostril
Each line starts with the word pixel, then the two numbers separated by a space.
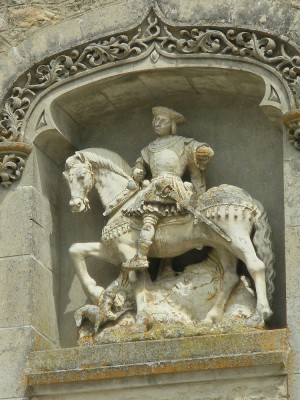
pixel 75 203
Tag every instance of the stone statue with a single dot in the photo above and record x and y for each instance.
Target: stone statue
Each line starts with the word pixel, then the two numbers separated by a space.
pixel 163 218
pixel 167 158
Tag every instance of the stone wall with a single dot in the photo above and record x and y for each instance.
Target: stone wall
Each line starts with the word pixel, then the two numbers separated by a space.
pixel 21 18
pixel 31 30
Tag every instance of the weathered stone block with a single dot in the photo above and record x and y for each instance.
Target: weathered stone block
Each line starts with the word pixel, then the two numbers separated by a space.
pixel 26 279
pixel 293 322
pixel 11 68
pixel 44 175
pixel 291 190
pixel 197 12
pixel 214 367
pixel 31 229
pixel 121 14
pixel 25 17
pixel 53 39
pixel 292 259
pixel 28 200
pixel 17 342
pixel 191 386
pixel 262 347
pixel 294 386
pixel 268 15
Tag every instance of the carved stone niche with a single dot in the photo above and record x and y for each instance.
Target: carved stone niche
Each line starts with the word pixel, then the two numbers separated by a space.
pixel 231 101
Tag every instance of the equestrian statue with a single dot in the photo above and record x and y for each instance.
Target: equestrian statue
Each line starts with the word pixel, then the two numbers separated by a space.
pixel 153 212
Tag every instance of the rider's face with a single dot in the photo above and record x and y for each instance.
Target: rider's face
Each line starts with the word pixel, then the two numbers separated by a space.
pixel 162 125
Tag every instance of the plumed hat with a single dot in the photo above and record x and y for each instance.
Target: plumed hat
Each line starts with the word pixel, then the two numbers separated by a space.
pixel 168 112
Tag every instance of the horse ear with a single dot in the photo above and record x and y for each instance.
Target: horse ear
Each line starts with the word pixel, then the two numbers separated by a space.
pixel 65 175
pixel 80 156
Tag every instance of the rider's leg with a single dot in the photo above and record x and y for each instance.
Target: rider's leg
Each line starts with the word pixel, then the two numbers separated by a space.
pixel 140 261
pixel 146 236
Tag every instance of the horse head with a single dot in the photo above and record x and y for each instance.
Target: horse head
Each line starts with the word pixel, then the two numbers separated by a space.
pixel 80 176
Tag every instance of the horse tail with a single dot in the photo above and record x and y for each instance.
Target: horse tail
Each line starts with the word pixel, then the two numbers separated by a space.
pixel 262 241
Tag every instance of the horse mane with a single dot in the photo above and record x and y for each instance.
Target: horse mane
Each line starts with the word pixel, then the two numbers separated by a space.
pixel 107 159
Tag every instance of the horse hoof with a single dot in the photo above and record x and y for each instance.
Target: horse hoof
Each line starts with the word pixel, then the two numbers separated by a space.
pixel 144 322
pixel 212 319
pixel 266 313
pixel 207 321
pixel 139 328
pixel 256 321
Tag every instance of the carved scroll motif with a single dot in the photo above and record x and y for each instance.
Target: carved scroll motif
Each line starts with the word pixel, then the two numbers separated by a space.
pixel 192 41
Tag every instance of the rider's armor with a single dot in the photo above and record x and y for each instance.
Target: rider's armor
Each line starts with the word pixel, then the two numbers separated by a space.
pixel 167 159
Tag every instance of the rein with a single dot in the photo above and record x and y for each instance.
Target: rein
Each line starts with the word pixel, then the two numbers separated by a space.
pixel 121 198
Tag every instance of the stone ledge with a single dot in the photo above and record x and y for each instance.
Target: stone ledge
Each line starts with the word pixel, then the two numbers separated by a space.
pixel 158 357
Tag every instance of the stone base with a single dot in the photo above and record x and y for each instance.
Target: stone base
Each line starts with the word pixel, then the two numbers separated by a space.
pixel 216 367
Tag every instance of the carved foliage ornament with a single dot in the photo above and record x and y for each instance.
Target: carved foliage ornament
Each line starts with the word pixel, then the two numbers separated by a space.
pixel 292 121
pixel 11 168
pixel 168 41
pixel 12 161
pixel 155 35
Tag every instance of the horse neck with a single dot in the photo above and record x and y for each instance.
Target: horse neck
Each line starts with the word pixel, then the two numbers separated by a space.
pixel 109 185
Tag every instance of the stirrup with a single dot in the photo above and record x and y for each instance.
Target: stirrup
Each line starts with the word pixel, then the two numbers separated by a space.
pixel 136 263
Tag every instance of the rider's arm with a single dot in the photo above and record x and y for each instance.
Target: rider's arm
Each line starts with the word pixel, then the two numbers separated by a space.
pixel 138 171
pixel 197 178
pixel 200 156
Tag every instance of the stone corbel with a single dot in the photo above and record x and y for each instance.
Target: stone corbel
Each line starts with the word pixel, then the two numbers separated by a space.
pixel 292 122
pixel 12 161
pixel 13 149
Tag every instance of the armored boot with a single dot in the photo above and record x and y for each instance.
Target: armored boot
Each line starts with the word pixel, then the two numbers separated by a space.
pixel 140 260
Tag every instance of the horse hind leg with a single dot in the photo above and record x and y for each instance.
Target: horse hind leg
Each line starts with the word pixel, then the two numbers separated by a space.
pixel 256 268
pixel 230 279
pixel 143 317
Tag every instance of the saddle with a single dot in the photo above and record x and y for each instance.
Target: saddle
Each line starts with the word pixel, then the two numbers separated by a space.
pixel 125 224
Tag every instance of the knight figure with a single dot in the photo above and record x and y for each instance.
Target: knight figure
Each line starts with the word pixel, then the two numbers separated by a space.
pixel 165 161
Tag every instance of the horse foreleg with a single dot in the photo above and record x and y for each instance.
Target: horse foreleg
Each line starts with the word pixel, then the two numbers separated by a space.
pixel 79 252
pixel 230 279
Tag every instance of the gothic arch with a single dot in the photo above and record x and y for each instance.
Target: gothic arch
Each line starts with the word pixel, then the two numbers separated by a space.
pixel 153 44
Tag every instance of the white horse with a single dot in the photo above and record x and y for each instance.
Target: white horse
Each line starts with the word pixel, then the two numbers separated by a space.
pixel 241 218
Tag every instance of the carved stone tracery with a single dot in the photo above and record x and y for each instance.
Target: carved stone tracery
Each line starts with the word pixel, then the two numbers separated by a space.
pixel 155 37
